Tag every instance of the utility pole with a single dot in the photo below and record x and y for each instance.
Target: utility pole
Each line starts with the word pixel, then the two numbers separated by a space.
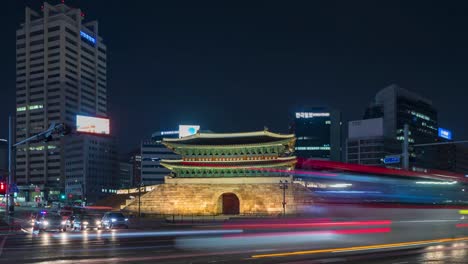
pixel 284 187
pixel 139 200
pixel 405 147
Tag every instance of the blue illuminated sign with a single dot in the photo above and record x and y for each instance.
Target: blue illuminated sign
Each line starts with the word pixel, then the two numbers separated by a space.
pixel 444 133
pixel 391 159
pixel 87 37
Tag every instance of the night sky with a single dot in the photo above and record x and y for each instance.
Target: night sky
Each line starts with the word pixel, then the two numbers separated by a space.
pixel 243 65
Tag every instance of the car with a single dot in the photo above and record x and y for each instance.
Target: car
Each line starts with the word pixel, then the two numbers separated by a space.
pixel 86 221
pixel 49 222
pixel 112 220
pixel 36 215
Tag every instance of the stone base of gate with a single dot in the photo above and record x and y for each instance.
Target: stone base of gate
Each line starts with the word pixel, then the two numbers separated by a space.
pixel 192 196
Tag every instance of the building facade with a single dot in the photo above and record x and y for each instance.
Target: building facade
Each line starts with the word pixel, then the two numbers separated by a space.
pixel 449 157
pixel 318 133
pixel 397 107
pixel 92 169
pixel 134 158
pixel 152 152
pixel 60 72
pixel 3 157
pixel 125 175
pixel 367 145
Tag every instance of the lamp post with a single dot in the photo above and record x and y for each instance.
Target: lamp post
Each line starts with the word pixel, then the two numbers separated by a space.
pixel 139 197
pixel 284 187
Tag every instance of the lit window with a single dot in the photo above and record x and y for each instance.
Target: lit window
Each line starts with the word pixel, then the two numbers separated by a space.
pixel 20 109
pixel 34 107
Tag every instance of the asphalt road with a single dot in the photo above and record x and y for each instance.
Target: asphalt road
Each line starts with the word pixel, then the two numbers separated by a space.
pixel 392 241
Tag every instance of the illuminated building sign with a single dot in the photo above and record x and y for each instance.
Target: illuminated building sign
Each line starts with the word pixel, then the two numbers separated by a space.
pixel 314 148
pixel 169 132
pixel 87 37
pixel 187 130
pixel 94 125
pixel 311 115
pixel 444 133
pixel 391 160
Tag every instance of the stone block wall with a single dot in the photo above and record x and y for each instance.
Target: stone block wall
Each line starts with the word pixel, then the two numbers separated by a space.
pixel 205 199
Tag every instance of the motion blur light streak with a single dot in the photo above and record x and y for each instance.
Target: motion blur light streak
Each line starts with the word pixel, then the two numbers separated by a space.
pixel 436 183
pixel 298 172
pixel 321 232
pixel 461 225
pixel 379 246
pixel 304 225
pixel 152 234
pixel 340 185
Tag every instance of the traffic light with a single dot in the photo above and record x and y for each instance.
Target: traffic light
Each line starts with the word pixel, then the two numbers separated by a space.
pixel 70 196
pixel 65 130
pixel 3 188
pixel 62 196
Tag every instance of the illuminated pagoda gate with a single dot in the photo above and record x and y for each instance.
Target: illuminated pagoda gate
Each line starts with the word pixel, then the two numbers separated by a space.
pixel 235 173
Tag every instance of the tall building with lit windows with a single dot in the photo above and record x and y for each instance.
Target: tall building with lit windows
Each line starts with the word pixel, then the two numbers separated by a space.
pixel 60 72
pixel 318 133
pixel 397 107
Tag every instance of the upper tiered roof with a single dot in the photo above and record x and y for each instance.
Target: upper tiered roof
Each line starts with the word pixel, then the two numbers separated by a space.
pixel 228 139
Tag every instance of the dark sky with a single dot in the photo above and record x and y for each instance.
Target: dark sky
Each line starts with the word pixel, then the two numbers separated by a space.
pixel 242 65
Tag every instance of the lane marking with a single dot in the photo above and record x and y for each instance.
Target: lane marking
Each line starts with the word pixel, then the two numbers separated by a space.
pixel 358 248
pixel 427 221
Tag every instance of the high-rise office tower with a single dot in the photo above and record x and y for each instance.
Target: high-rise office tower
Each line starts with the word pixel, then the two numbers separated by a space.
pixel 60 72
pixel 397 107
pixel 3 158
pixel 318 133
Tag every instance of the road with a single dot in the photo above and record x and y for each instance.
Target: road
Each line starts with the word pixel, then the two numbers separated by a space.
pixel 435 238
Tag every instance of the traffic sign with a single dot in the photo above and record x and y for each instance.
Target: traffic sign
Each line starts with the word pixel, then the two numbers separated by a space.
pixel 392 159
pixel 14 188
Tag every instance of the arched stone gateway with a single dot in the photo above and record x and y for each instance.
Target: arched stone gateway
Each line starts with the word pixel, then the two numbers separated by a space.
pixel 230 204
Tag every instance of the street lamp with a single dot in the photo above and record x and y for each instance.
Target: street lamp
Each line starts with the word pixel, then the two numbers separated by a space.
pixel 139 198
pixel 284 186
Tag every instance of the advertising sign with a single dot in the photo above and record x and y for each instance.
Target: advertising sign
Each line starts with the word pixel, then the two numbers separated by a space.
pixel 188 130
pixel 93 125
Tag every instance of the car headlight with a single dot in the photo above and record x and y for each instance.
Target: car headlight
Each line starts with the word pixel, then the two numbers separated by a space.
pixel 64 222
pixel 85 223
pixel 98 222
pixel 113 219
pixel 45 223
pixel 126 219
